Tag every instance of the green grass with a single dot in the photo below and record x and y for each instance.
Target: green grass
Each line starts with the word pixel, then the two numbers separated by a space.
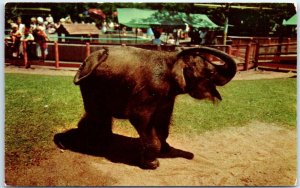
pixel 37 107
pixel 270 101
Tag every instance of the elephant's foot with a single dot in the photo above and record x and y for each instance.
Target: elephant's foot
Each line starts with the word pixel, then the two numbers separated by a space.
pixel 149 159
pixel 149 164
pixel 165 148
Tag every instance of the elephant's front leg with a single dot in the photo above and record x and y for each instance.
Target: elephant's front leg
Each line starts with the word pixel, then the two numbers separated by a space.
pixel 161 121
pixel 151 145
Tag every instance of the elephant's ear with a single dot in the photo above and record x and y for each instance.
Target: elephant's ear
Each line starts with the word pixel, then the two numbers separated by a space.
pixel 90 64
pixel 178 74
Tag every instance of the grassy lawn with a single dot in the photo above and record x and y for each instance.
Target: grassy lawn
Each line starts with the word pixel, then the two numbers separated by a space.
pixel 37 107
pixel 270 101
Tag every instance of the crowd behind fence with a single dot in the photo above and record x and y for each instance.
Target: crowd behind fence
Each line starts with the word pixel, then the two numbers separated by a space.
pixel 249 52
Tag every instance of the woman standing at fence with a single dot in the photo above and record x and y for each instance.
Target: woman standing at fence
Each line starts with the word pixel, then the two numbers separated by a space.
pixel 40 38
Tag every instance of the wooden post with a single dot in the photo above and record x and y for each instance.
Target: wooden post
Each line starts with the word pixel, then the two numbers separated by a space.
pixel 136 35
pixel 247 57
pixel 276 58
pixel 120 35
pixel 225 30
pixel 229 49
pixel 256 55
pixel 56 55
pixel 287 45
pixel 238 47
pixel 88 49
pixel 269 42
pixel 24 44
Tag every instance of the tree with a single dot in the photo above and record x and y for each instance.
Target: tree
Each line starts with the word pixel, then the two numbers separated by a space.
pixel 247 18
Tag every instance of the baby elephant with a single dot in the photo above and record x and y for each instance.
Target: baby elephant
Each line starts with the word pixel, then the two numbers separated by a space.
pixel 141 85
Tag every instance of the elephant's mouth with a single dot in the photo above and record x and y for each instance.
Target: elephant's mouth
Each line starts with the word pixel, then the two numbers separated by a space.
pixel 210 93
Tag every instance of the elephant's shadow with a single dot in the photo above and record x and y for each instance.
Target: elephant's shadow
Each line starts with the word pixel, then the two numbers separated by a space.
pixel 119 149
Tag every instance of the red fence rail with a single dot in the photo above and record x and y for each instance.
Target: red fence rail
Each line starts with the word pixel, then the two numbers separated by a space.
pixel 279 56
pixel 249 52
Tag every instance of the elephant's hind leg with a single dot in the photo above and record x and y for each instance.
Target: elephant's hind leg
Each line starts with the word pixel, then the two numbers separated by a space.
pixel 96 129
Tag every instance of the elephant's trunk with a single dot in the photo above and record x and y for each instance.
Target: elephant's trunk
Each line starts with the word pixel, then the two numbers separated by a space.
pixel 225 72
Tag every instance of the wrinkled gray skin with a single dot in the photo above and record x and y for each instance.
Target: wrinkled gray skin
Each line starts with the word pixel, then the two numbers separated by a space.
pixel 141 85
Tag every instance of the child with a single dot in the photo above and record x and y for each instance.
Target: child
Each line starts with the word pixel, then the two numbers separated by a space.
pixel 27 35
pixel 15 36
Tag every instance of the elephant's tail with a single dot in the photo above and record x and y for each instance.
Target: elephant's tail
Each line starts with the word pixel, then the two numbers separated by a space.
pixel 90 64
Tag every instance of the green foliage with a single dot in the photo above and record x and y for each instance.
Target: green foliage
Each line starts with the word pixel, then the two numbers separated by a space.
pixel 37 107
pixel 249 22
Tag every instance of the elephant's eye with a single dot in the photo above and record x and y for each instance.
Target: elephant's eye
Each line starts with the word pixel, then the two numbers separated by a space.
pixel 209 72
pixel 193 64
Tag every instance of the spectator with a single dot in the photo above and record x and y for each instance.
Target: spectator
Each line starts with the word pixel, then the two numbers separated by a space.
pixel 211 38
pixel 28 37
pixel 51 28
pixel 20 25
pixel 156 39
pixel 58 30
pixel 203 36
pixel 124 31
pixel 191 34
pixel 41 24
pixel 195 36
pixel 149 33
pixel 15 36
pixel 140 32
pixel 171 40
pixel 49 19
pixel 61 21
pixel 111 25
pixel 40 38
pixel 68 19
pixel 104 27
pixel 33 23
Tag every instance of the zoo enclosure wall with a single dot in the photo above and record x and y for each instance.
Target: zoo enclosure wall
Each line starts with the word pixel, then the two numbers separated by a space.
pixel 248 51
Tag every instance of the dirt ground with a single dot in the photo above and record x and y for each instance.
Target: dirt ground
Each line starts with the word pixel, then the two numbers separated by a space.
pixel 257 154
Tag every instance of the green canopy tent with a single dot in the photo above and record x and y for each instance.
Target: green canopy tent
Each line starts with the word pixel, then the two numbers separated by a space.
pixel 201 21
pixel 145 18
pixel 132 17
pixel 291 21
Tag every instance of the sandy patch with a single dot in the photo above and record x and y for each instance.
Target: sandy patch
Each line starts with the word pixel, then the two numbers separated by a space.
pixel 257 154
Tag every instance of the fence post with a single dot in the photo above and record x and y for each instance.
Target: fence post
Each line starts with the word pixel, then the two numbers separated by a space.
pixel 247 57
pixel 229 49
pixel 287 45
pixel 56 52
pixel 256 55
pixel 24 44
pixel 88 49
pixel 267 50
pixel 237 53
pixel 276 58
